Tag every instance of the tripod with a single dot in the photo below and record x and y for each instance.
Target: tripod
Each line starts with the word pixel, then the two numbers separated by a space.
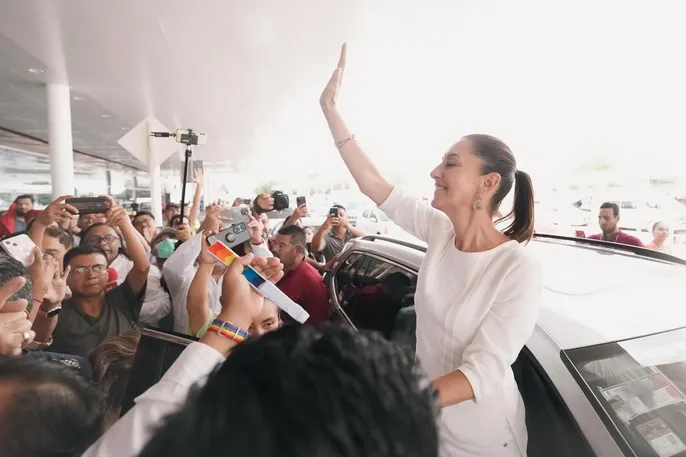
pixel 188 155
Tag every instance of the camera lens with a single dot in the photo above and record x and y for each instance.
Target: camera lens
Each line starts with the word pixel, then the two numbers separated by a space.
pixel 239 228
pixel 230 237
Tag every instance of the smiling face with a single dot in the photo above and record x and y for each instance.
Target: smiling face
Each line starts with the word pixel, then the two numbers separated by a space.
pixel 458 180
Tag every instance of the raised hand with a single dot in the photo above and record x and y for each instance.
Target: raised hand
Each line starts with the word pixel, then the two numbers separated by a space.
pixel 15 326
pixel 199 177
pixel 238 298
pixel 57 290
pixel 256 227
pixel 205 256
pixel 117 216
pixel 329 96
pixel 57 212
pixel 183 232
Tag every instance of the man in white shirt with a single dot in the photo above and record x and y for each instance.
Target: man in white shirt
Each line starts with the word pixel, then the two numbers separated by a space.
pixel 180 269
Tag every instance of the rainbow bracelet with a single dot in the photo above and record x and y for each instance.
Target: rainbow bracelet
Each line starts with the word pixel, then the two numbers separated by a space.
pixel 228 330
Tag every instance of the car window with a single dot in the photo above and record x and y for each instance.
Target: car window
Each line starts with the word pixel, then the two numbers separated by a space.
pixel 346 271
pixel 640 383
pixel 377 292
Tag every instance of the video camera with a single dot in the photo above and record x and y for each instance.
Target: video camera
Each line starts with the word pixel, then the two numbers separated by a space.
pixel 187 137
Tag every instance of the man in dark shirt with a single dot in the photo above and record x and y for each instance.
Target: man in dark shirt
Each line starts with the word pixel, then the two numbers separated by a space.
pixel 334 234
pixel 302 283
pixel 608 219
pixel 94 315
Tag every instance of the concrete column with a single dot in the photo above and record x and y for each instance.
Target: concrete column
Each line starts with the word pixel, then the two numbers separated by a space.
pixel 59 139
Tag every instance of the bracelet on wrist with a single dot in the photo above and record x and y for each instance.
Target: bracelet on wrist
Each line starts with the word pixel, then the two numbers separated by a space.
pixel 228 330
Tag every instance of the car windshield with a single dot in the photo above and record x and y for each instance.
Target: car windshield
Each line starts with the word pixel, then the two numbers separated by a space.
pixel 640 383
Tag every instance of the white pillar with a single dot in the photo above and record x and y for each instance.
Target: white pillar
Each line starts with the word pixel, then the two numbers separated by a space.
pixel 155 183
pixel 59 139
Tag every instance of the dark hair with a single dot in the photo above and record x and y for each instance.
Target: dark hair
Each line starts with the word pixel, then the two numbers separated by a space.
pixel 65 238
pixel 112 362
pixel 296 233
pixel 53 411
pixel 168 233
pixel 310 391
pixel 656 224
pixel 171 206
pixel 613 206
pixel 177 218
pixel 122 247
pixel 497 157
pixel 143 213
pixel 24 197
pixel 82 249
pixel 10 268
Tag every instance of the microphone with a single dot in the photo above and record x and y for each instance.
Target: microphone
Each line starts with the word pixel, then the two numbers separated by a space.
pixel 161 134
pixel 112 278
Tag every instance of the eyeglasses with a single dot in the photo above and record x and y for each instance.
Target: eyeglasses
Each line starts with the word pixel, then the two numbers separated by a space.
pixel 94 240
pixel 96 269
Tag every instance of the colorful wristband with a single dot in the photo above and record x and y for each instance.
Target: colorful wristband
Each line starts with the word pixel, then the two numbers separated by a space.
pixel 228 330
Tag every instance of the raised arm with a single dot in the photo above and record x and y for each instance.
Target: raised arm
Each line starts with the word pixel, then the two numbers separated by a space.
pixel 367 177
pixel 196 302
pixel 199 179
pixel 138 276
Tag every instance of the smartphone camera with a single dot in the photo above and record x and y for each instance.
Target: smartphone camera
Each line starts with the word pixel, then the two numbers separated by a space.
pixel 244 211
pixel 239 228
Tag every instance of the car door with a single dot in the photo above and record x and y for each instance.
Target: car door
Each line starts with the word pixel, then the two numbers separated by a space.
pixel 369 292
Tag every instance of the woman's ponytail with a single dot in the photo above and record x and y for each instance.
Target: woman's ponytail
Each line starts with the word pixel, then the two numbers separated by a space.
pixel 522 227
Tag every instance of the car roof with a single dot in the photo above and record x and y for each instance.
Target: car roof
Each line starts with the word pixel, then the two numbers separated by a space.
pixel 593 293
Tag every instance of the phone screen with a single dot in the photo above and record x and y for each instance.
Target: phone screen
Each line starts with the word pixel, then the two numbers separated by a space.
pixel 299 201
pixel 333 212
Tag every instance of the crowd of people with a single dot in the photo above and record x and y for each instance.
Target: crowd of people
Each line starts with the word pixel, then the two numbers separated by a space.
pixel 254 381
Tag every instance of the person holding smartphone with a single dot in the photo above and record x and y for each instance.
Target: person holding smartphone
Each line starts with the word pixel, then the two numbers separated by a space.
pixel 478 288
pixel 334 233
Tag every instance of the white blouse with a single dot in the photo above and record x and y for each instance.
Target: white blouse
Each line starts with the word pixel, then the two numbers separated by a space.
pixel 475 312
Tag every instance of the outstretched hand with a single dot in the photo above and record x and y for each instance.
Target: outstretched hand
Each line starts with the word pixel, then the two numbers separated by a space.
pixel 329 97
pixel 238 298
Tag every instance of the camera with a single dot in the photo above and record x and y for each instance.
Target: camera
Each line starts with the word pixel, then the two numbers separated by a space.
pixel 189 137
pixel 281 200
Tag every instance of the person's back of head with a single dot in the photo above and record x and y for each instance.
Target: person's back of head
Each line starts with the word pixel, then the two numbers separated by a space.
pixel 11 268
pixel 47 409
pixel 307 392
pixel 112 362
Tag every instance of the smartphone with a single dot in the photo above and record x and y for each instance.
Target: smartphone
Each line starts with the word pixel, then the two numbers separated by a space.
pixel 237 215
pixel 247 201
pixel 20 247
pixel 89 205
pixel 333 212
pixel 233 236
pixel 223 253
pixel 299 201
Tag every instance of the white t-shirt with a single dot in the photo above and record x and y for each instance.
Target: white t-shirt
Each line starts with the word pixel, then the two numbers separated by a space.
pixel 475 312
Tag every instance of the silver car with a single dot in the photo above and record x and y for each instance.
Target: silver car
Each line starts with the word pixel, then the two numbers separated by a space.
pixel 604 372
